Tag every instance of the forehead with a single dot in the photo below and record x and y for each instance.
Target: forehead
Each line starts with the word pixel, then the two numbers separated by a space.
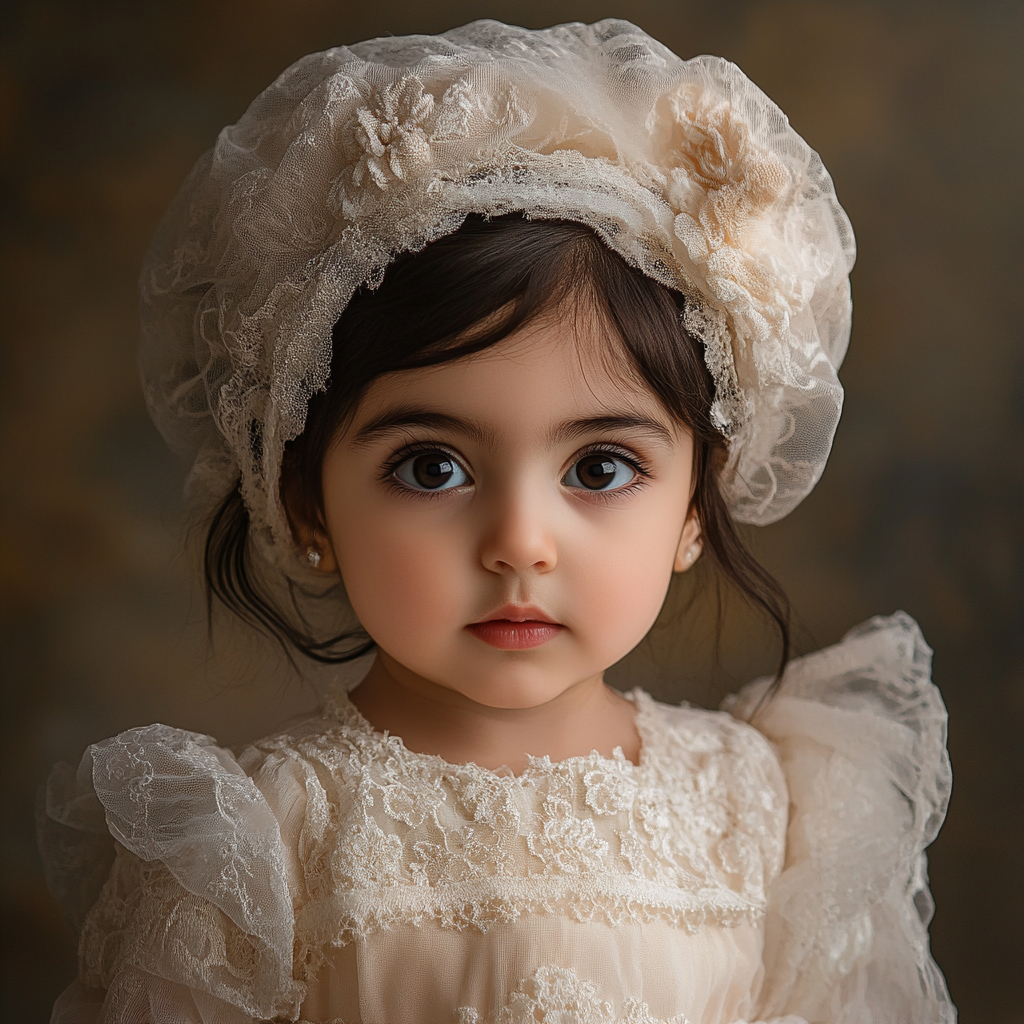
pixel 566 365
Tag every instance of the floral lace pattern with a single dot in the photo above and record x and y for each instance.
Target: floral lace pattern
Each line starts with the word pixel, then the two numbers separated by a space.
pixel 208 946
pixel 557 995
pixel 692 835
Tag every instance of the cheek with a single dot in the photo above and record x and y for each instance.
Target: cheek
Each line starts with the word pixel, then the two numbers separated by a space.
pixel 620 566
pixel 400 583
pixel 618 594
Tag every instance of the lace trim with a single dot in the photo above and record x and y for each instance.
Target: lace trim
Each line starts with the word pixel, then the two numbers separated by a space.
pixel 338 707
pixel 483 904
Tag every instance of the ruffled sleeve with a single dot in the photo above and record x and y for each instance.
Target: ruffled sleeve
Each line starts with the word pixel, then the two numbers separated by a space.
pixel 861 735
pixel 169 859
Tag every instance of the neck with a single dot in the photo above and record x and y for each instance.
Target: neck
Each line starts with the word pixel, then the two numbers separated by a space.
pixel 433 719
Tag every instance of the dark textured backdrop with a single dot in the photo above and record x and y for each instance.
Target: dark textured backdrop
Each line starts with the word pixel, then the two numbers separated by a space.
pixel 915 108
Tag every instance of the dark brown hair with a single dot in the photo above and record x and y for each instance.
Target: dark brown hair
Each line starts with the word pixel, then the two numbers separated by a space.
pixel 459 295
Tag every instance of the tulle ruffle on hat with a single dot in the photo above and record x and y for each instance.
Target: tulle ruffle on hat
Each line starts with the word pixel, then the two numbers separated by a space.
pixel 684 168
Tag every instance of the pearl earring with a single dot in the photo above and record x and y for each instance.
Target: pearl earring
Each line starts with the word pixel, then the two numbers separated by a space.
pixel 313 555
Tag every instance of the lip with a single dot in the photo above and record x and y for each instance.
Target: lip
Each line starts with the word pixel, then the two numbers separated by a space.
pixel 516 627
pixel 517 613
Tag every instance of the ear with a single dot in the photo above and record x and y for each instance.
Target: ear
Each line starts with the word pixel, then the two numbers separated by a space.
pixel 311 536
pixel 690 544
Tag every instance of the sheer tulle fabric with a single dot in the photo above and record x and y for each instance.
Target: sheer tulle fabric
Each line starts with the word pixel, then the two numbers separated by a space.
pixel 587 890
pixel 683 167
pixel 137 997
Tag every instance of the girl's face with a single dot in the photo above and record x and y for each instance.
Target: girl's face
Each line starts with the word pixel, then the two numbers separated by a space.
pixel 506 524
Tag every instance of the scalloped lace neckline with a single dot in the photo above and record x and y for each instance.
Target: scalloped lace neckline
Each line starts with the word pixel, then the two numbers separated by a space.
pixel 337 705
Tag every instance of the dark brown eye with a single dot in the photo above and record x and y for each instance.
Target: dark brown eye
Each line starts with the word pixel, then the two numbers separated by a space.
pixel 432 471
pixel 601 471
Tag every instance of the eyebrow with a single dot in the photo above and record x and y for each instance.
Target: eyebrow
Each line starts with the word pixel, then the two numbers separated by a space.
pixel 393 420
pixel 572 429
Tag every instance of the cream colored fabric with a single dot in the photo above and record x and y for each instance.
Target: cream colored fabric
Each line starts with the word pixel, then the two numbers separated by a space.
pixel 590 890
pixel 631 971
pixel 352 156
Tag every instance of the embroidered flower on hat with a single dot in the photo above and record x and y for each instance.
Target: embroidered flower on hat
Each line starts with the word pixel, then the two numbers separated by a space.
pixel 391 131
pixel 724 187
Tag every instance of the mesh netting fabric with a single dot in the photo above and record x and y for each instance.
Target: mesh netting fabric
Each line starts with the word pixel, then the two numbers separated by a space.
pixel 683 167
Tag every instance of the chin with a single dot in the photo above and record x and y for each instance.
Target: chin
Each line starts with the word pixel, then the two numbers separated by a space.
pixel 512 701
pixel 514 694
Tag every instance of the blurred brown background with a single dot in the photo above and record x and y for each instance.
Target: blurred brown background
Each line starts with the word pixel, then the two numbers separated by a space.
pixel 915 107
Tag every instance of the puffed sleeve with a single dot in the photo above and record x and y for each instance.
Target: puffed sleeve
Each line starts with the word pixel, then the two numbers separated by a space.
pixel 169 860
pixel 860 731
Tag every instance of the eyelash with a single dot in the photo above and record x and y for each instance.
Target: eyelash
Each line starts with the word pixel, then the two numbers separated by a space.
pixel 631 458
pixel 387 470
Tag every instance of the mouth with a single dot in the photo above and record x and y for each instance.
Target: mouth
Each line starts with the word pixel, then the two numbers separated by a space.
pixel 516 628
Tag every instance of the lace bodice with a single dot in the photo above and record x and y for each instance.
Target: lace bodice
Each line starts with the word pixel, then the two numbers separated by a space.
pixel 329 872
pixel 693 833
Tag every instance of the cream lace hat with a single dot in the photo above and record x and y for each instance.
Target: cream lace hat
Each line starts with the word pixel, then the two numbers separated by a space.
pixel 684 167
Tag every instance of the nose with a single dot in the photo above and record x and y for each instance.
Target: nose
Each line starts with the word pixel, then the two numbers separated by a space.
pixel 518 535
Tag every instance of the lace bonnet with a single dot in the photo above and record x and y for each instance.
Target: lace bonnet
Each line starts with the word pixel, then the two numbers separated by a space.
pixel 683 167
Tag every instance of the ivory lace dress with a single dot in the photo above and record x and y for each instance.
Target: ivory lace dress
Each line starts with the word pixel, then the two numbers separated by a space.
pixel 328 874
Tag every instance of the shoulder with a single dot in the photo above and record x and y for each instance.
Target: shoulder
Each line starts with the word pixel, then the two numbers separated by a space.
pixel 860 730
pixel 331 746
pixel 684 728
pixel 688 739
pixel 723 777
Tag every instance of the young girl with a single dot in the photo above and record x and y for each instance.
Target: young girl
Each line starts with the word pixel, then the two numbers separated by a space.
pixel 474 341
